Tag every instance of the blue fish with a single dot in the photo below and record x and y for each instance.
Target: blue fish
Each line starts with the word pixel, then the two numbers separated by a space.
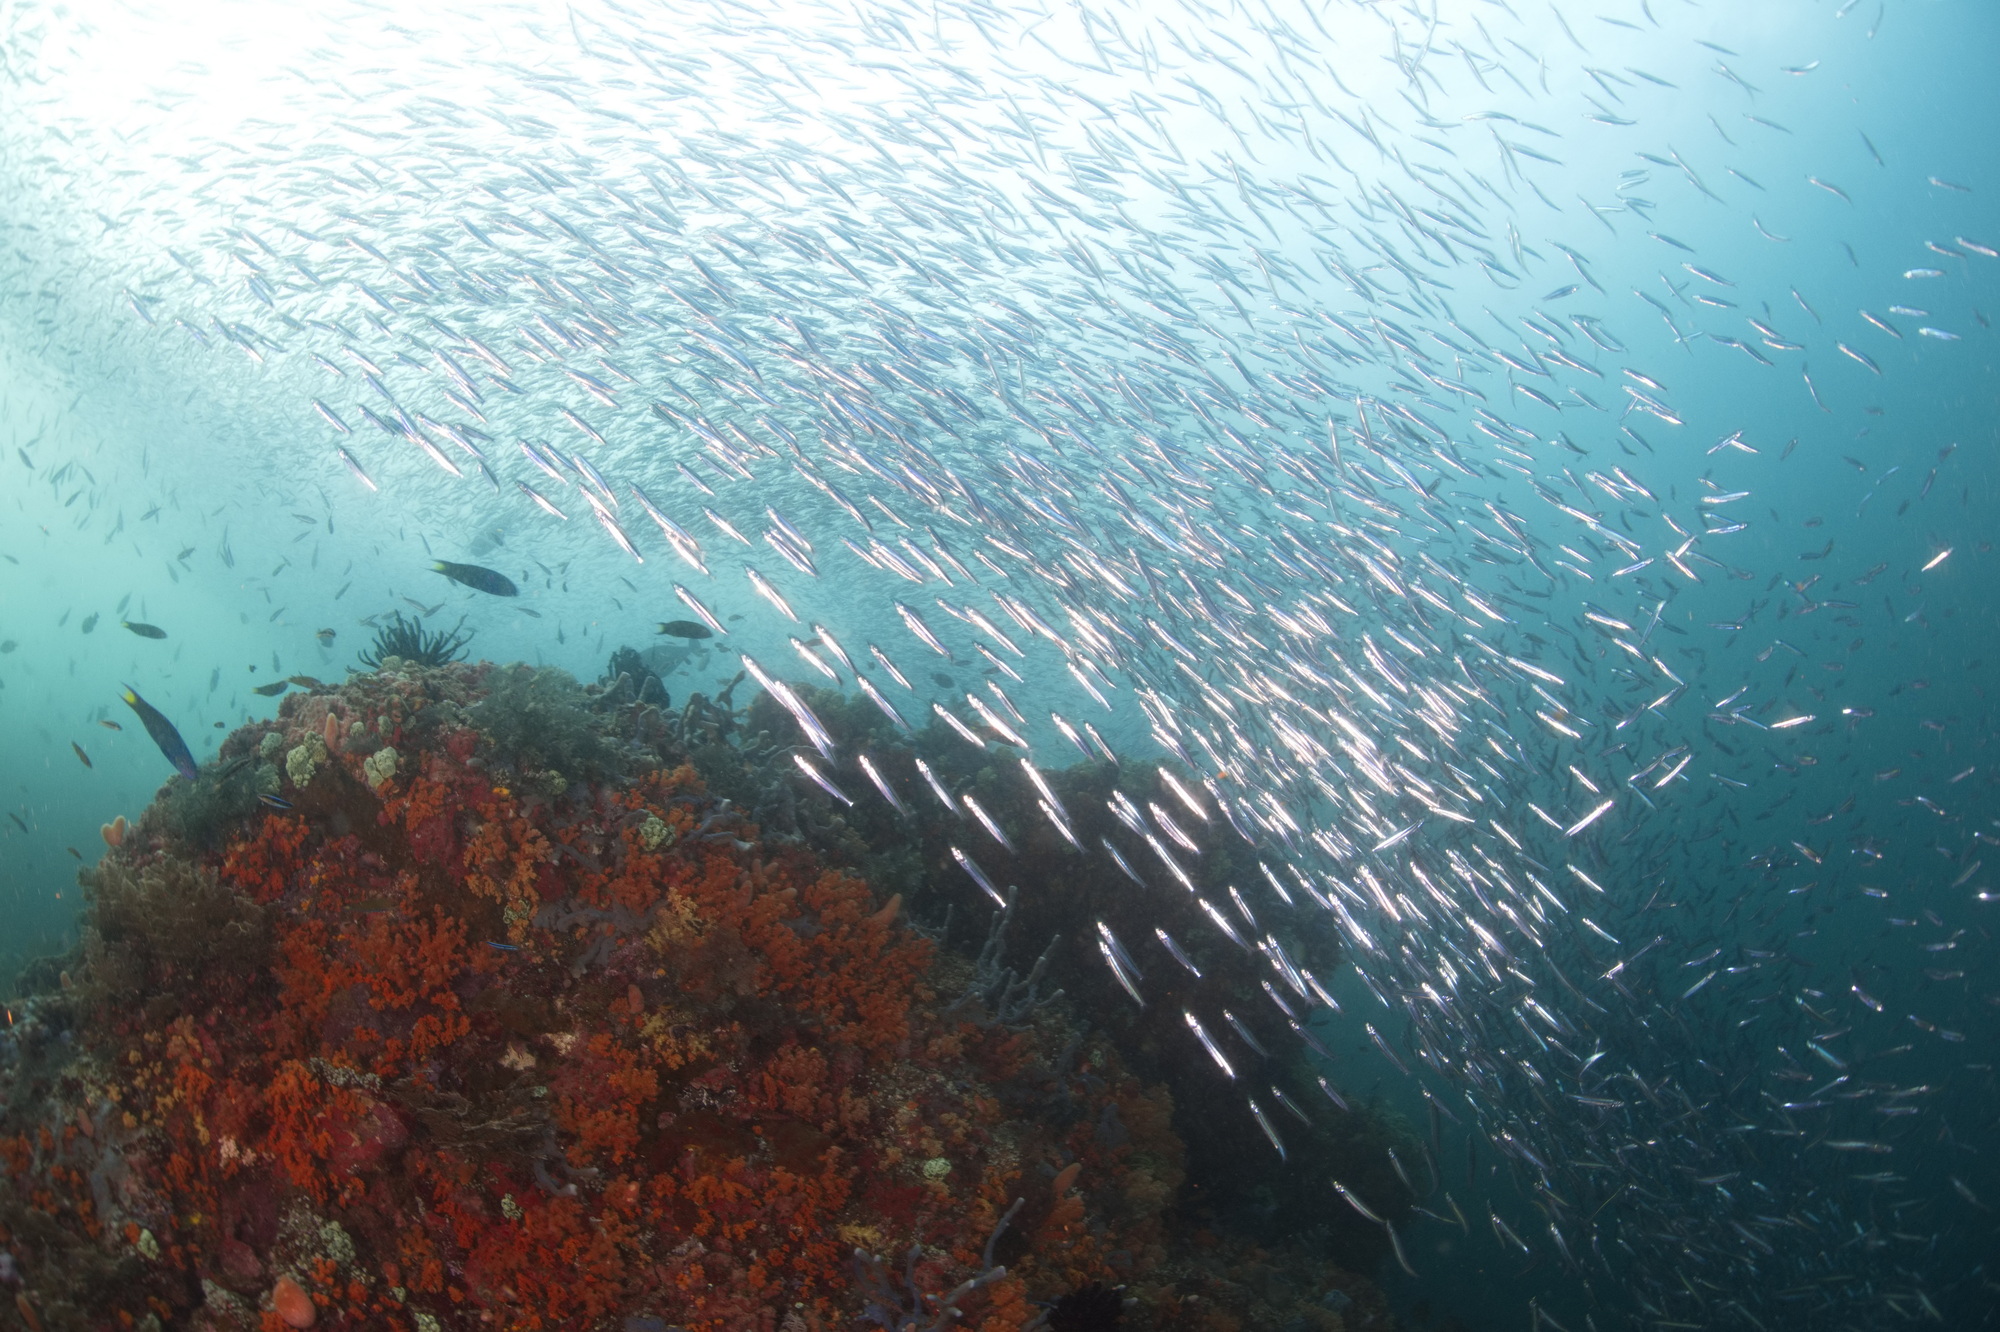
pixel 163 733
pixel 477 577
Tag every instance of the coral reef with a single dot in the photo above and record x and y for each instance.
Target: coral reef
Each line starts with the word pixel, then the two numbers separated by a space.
pixel 198 813
pixel 516 1017
pixel 539 720
pixel 631 679
pixel 1233 1179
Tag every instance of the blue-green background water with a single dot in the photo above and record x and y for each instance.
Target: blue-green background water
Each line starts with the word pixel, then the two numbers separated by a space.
pixel 197 481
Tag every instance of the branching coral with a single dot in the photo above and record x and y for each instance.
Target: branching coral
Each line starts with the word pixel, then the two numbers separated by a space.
pixel 1008 997
pixel 901 1305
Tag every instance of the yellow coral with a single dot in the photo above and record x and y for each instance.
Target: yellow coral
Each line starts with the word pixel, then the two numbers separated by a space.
pixel 654 831
pixel 303 761
pixel 379 767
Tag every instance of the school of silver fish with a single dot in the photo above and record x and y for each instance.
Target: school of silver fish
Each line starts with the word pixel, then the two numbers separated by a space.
pixel 1274 387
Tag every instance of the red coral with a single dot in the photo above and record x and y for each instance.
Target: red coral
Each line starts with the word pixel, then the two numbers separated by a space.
pixel 264 864
pixel 555 1064
pixel 425 811
pixel 599 1095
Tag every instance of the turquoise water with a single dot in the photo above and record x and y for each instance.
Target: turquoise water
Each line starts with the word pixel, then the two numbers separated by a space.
pixel 1184 320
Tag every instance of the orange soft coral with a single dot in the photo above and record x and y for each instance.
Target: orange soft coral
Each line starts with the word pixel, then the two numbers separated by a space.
pixel 507 859
pixel 263 865
pixel 549 1063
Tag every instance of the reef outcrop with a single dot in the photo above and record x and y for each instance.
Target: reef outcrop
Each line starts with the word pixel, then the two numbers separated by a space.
pixel 456 997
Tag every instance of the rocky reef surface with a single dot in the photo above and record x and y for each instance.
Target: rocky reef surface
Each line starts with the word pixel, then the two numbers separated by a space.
pixel 465 996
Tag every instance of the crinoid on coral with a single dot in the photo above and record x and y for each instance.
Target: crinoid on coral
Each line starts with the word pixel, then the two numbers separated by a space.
pixel 409 640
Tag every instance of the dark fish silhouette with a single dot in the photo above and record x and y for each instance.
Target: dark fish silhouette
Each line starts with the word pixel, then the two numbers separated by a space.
pixel 686 629
pixel 163 733
pixel 144 630
pixel 478 577
pixel 273 689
